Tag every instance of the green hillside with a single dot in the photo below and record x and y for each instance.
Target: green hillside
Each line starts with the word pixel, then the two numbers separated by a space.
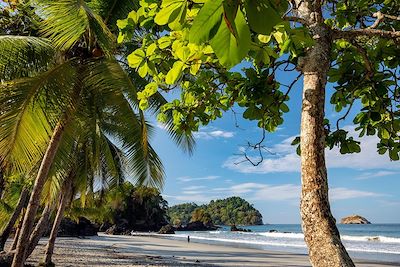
pixel 229 211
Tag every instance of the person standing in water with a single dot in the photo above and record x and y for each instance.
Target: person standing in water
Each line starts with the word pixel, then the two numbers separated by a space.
pixel 188 239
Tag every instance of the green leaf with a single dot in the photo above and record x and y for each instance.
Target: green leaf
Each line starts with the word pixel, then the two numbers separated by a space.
pixel 229 50
pixel 151 88
pixel 394 154
pixel 175 73
pixel 164 42
pixel 230 10
pixel 120 38
pixel 375 116
pixel 183 53
pixel 209 18
pixel 136 58
pixel 151 49
pixel 143 104
pixel 169 12
pixel 384 134
pixel 143 69
pixel 264 38
pixel 296 141
pixel 382 150
pixel 261 16
pixel 284 108
pixel 122 23
pixel 162 117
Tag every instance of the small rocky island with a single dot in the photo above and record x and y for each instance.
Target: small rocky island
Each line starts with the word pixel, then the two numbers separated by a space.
pixel 354 219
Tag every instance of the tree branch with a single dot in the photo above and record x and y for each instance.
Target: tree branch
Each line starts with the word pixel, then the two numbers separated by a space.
pixel 368 65
pixel 351 34
pixel 380 17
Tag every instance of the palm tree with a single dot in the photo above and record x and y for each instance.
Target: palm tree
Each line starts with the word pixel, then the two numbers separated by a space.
pixel 106 150
pixel 14 200
pixel 58 75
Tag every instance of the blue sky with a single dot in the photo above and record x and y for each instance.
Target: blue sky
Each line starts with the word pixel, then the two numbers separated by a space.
pixel 364 183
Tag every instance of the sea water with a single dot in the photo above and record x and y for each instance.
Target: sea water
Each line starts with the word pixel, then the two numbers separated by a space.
pixel 380 242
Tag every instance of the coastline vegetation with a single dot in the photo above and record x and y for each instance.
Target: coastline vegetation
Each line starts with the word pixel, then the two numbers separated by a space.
pixel 229 211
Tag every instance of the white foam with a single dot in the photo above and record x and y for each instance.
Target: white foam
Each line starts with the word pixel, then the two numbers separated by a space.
pixel 382 239
pixel 241 241
pixel 284 235
pixel 367 244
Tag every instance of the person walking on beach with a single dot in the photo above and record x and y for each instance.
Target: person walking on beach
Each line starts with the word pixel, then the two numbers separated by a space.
pixel 188 239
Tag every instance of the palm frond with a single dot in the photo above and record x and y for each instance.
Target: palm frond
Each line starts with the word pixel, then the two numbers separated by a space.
pixel 30 108
pixel 23 56
pixel 66 22
pixel 184 141
pixel 120 122
pixel 113 163
pixel 112 10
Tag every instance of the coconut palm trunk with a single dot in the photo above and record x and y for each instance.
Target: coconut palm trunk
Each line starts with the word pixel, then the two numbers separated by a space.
pixel 34 201
pixel 16 236
pixel 65 198
pixel 319 226
pixel 2 183
pixel 41 227
pixel 14 217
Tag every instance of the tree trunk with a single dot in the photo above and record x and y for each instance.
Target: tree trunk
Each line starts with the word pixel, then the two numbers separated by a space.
pixel 20 205
pixel 41 227
pixel 2 182
pixel 29 219
pixel 319 226
pixel 66 196
pixel 15 241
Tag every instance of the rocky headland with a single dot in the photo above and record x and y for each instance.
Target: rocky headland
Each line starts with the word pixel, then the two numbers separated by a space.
pixel 354 219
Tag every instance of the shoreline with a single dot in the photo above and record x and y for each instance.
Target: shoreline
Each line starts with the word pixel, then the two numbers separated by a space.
pixel 154 250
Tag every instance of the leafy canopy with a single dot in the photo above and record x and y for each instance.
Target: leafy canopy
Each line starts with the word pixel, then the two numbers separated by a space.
pixel 194 44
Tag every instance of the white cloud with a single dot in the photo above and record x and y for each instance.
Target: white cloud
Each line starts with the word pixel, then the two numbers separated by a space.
pixel 291 191
pixel 199 198
pixel 191 192
pixel 267 192
pixel 194 187
pixel 213 134
pixel 190 179
pixel 341 193
pixel 369 175
pixel 285 159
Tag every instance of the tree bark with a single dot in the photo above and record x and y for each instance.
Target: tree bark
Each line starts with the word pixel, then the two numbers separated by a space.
pixel 34 201
pixel 2 182
pixel 41 227
pixel 10 225
pixel 319 226
pixel 15 241
pixel 64 201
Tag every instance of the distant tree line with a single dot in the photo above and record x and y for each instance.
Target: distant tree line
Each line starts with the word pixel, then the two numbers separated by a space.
pixel 229 211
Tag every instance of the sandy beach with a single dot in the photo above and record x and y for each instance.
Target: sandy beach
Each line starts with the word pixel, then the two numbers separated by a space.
pixel 106 250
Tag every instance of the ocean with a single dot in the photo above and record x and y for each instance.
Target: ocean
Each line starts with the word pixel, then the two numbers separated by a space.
pixel 380 242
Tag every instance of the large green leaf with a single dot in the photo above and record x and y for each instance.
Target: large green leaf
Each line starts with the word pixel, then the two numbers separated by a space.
pixel 175 73
pixel 170 11
pixel 209 18
pixel 261 15
pixel 230 50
